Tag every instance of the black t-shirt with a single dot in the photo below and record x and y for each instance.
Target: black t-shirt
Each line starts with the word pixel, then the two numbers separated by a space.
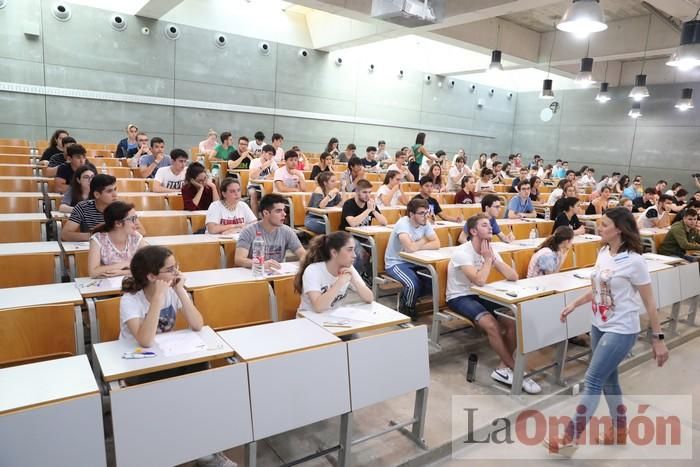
pixel 574 223
pixel 48 152
pixel 57 159
pixel 433 204
pixel 640 205
pixel 350 208
pixel 317 170
pixel 65 171
pixel 234 156
pixel 368 163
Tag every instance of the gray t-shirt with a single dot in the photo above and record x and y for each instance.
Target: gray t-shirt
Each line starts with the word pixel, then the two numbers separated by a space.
pixel 277 242
pixel 147 159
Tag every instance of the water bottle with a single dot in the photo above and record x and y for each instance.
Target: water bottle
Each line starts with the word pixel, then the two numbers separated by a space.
pixel 546 214
pixel 200 159
pixel 471 367
pixel 258 256
pixel 215 171
pixel 533 233
pixel 104 167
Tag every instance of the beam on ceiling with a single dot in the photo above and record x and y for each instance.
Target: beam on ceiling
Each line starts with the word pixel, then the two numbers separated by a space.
pixel 155 9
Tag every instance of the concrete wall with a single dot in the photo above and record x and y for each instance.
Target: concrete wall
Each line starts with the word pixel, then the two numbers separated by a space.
pixel 663 143
pixel 85 53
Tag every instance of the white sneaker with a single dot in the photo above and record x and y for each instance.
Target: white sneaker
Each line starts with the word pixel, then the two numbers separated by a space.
pixel 216 460
pixel 531 387
pixel 503 375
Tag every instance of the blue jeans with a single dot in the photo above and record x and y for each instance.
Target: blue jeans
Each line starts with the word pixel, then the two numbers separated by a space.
pixel 609 349
pixel 414 286
pixel 315 224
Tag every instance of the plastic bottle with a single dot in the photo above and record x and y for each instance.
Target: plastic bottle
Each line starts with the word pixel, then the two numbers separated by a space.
pixel 258 255
pixel 471 367
pixel 533 233
pixel 200 159
pixel 547 215
pixel 104 167
pixel 215 171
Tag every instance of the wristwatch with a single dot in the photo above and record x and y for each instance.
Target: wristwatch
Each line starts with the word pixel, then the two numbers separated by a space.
pixel 658 336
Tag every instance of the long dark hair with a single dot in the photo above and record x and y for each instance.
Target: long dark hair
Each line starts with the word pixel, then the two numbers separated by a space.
pixel 115 212
pixel 76 191
pixel 389 175
pixel 53 142
pixel 436 180
pixel 193 171
pixel 319 251
pixel 331 142
pixel 323 178
pixel 420 138
pixel 560 235
pixel 629 233
pixel 624 181
pixel 148 260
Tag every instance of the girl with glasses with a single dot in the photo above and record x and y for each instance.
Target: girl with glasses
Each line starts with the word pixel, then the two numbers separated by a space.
pixel 79 188
pixel 115 242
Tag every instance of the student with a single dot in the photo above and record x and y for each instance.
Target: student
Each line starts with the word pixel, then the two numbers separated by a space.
pixel 153 297
pixel 198 191
pixel 390 194
pixel 79 189
pixel 682 236
pixel 287 178
pixel 209 144
pixel 551 254
pixel 600 204
pixel 522 175
pixel 128 146
pixel 114 243
pixel 568 216
pixel 622 184
pixel 383 155
pixel 64 173
pixel 498 174
pixel 55 144
pixel 86 215
pixel 348 154
pixel 277 140
pixel 647 200
pixel 229 214
pixel 359 211
pixel 620 277
pixel 588 177
pixel 350 177
pixel 535 185
pixel 419 152
pixel 301 163
pixel 59 159
pixel 326 279
pixel 155 159
pixel 325 164
pixel 400 166
pixel 635 190
pixel 491 206
pixel 457 173
pixel 460 153
pixel 326 195
pixel 569 192
pixel 471 264
pixel 435 174
pixel 604 181
pixel 491 160
pixel 467 195
pixel 332 147
pixel 278 237
pixel 660 187
pixel 411 233
pixel 521 205
pixel 426 189
pixel 479 164
pixel 557 193
pixel 558 170
pixel 261 168
pixel 692 204
pixel 240 158
pixel 222 151
pixel 170 179
pixel 255 147
pixel 657 215
pixel 626 203
pixel 370 161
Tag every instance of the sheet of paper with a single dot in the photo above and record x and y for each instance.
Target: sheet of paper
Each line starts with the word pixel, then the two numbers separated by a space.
pixel 358 314
pixel 172 344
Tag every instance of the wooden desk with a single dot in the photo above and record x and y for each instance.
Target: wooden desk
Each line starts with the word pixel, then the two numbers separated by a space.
pixel 208 278
pixel 331 217
pixel 653 237
pixel 34 295
pixel 19 202
pixel 23 227
pixel 383 317
pixel 22 262
pixel 26 184
pixel 51 414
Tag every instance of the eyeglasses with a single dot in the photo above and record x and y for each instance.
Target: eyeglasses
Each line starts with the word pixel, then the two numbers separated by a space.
pixel 87 177
pixel 421 213
pixel 133 219
pixel 172 269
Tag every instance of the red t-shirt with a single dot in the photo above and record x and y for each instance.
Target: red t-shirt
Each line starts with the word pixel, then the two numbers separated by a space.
pixel 460 198
pixel 188 193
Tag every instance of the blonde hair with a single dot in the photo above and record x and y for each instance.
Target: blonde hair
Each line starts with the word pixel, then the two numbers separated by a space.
pixel 212 132
pixel 130 126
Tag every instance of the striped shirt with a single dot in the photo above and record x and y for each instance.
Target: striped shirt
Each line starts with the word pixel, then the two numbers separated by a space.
pixel 86 215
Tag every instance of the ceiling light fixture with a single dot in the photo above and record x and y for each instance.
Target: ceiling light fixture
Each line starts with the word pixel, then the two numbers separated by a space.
pixel 585 73
pixel 687 55
pixel 603 95
pixel 636 110
pixel 640 91
pixel 582 18
pixel 547 92
pixel 496 66
pixel 686 100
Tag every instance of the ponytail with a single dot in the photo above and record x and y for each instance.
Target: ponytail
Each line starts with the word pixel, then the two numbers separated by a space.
pixel 320 251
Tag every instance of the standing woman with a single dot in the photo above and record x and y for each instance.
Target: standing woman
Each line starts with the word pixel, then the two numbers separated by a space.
pixel 79 189
pixel 619 273
pixel 326 274
pixel 128 146
pixel 419 152
pixel 390 194
pixel 115 242
pixel 325 164
pixel 198 191
pixel 479 164
pixel 55 144
pixel 600 204
pixel 332 147
pixel 326 195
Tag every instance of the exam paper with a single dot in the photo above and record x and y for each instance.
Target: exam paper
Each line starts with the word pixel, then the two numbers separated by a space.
pixel 358 314
pixel 172 344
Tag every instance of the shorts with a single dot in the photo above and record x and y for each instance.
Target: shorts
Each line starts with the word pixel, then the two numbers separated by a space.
pixel 473 307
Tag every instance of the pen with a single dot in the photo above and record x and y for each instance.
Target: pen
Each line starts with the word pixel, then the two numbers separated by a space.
pixel 336 325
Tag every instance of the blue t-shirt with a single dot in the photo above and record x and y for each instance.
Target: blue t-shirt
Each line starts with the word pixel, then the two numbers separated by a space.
pixel 495 229
pixel 517 205
pixel 392 256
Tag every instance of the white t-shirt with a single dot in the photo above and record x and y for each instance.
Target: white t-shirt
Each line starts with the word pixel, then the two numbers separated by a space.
pixel 650 214
pixel 168 179
pixel 135 305
pixel 218 213
pixel 383 190
pixel 279 155
pixel 289 180
pixel 458 284
pixel 257 163
pixel 555 195
pixel 451 174
pixel 316 278
pixel 255 148
pixel 616 303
